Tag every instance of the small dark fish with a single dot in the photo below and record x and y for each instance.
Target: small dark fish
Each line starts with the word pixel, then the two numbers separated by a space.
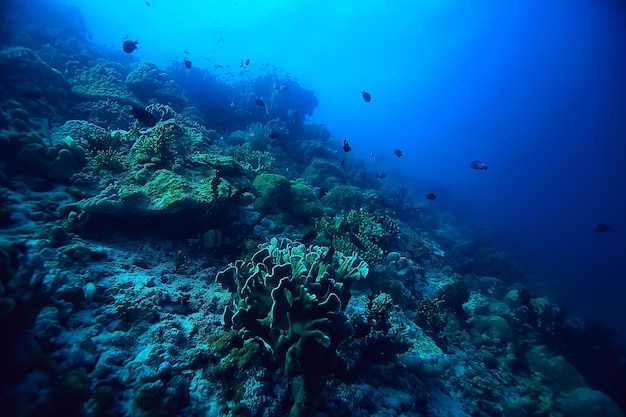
pixel 308 238
pixel 241 63
pixel 479 165
pixel 247 61
pixel 218 66
pixel 377 175
pixel 147 3
pixel 322 192
pixel 259 102
pixel 186 52
pixel 329 255
pixel 274 135
pixel 524 297
pixel 129 46
pixel 431 196
pixel 382 175
pixel 187 63
pixel 296 117
pixel 372 154
pixel 343 161
pixel 142 115
pixel 346 146
pixel 356 242
pixel 398 153
pixel 220 41
pixel 367 97
pixel 602 228
pixel 31 94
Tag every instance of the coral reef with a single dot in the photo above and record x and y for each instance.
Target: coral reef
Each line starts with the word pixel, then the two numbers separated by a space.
pixel 114 298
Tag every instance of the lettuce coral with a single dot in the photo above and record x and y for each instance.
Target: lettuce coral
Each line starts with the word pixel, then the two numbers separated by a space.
pixel 293 298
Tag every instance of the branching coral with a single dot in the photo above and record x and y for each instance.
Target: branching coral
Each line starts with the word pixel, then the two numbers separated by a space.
pixel 361 231
pixel 293 298
pixel 155 144
pixel 109 159
pixel 252 160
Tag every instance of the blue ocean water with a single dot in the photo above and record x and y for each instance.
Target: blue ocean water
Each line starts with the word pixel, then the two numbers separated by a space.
pixel 534 89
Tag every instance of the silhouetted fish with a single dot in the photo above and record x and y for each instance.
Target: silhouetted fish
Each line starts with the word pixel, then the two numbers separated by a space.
pixel 367 97
pixel 248 61
pixel 356 242
pixel 142 115
pixel 480 165
pixel 346 146
pixel 129 46
pixel 343 161
pixel 524 297
pixel 431 196
pixel 274 135
pixel 398 153
pixel 259 102
pixel 382 175
pixel 187 63
pixel 322 192
pixel 308 238
pixel 329 255
pixel 602 228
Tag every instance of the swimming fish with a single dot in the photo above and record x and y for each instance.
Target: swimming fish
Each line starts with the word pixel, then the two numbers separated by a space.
pixel 479 165
pixel 367 97
pixel 322 192
pixel 356 242
pixel 129 46
pixel 210 239
pixel 372 154
pixel 259 102
pixel 382 175
pixel 187 63
pixel 343 161
pixel 145 117
pixel 329 255
pixel 431 196
pixel 308 237
pixel 346 146
pixel 274 135
pixel 398 153
pixel 248 61
pixel 602 228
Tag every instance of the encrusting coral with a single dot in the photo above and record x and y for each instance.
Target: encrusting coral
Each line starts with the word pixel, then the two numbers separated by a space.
pixel 293 297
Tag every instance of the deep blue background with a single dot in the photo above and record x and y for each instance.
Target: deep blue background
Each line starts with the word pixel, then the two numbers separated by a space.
pixel 536 88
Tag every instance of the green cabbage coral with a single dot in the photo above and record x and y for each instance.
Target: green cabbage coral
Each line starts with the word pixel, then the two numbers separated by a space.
pixel 293 298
